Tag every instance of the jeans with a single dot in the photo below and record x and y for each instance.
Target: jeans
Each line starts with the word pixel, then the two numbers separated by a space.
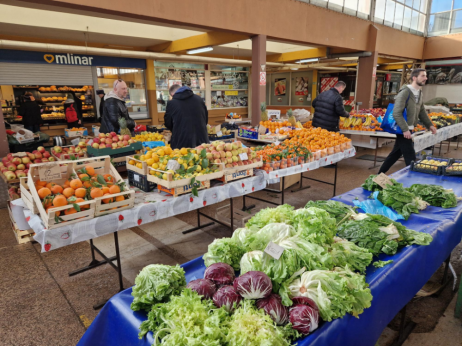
pixel 404 147
pixel 33 128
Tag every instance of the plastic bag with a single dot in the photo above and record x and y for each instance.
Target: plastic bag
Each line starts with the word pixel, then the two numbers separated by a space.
pixel 374 206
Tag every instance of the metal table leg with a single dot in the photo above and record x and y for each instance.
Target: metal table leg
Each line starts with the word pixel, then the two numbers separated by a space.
pixel 375 154
pixel 199 226
pixel 404 329
pixel 300 185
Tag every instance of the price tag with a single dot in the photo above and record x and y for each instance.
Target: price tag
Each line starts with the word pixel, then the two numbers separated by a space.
pixel 274 250
pixel 219 133
pixel 277 142
pixel 173 165
pixel 277 131
pixel 136 177
pixel 243 156
pixel 217 128
pixel 50 172
pixel 90 142
pixel 382 180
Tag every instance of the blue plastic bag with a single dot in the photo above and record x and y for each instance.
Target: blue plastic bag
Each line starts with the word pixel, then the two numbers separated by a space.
pixel 389 123
pixel 153 144
pixel 374 206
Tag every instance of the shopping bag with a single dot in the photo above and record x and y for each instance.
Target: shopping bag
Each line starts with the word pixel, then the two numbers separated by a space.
pixel 374 206
pixel 389 123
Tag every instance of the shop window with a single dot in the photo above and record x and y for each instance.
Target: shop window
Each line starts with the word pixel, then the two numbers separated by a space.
pixel 229 86
pixel 406 15
pixel 439 23
pixel 185 74
pixel 135 79
pixel 399 15
pixel 441 5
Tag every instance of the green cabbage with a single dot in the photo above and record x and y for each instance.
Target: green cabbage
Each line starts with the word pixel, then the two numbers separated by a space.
pixel 314 225
pixel 157 283
pixel 265 216
pixel 186 320
pixel 224 250
pixel 345 253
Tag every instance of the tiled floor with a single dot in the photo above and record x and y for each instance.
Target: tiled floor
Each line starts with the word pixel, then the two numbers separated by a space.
pixel 50 308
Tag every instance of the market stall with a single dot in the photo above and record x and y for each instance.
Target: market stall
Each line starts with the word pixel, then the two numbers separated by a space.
pixel 391 286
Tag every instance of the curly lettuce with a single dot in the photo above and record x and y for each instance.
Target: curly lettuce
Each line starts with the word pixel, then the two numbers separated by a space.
pixel 265 216
pixel 314 225
pixel 157 283
pixel 345 253
pixel 224 250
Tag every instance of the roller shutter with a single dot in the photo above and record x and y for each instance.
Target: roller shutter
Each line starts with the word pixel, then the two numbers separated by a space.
pixel 44 74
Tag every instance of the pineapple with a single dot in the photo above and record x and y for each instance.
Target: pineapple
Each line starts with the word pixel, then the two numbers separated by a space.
pixel 264 113
pixel 292 119
pixel 123 127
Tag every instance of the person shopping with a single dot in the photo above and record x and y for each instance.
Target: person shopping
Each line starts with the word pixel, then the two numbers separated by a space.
pixel 186 116
pixel 31 113
pixel 115 108
pixel 329 108
pixel 71 112
pixel 409 98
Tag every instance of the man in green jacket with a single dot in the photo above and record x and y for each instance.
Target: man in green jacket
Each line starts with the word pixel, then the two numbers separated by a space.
pixel 409 98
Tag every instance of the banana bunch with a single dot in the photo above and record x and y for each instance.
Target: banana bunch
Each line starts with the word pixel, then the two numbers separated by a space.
pixel 347 122
pixel 299 125
pixel 368 121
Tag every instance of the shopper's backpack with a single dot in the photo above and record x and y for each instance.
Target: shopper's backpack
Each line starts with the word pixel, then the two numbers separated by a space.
pixel 71 114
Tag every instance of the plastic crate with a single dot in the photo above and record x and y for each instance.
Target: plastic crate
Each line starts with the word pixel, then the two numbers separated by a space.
pixel 427 168
pixel 140 181
pixel 450 171
pixel 216 138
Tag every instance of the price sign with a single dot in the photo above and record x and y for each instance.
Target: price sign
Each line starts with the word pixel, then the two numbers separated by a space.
pixel 219 133
pixel 243 156
pixel 274 250
pixel 217 128
pixel 382 180
pixel 90 142
pixel 277 142
pixel 50 172
pixel 261 130
pixel 136 177
pixel 173 165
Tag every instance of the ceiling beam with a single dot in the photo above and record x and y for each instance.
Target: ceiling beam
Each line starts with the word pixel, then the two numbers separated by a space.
pixel 300 54
pixel 213 38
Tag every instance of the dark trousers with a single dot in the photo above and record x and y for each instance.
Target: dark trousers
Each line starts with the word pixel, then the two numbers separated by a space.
pixel 34 128
pixel 404 147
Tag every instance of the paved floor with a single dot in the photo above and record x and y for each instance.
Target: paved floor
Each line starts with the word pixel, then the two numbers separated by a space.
pixel 41 305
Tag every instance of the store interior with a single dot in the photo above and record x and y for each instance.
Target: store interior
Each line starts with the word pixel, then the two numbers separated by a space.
pixel 72 272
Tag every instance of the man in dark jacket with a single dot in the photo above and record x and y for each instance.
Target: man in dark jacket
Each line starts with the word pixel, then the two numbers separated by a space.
pixel 115 108
pixel 31 113
pixel 329 108
pixel 101 95
pixel 186 116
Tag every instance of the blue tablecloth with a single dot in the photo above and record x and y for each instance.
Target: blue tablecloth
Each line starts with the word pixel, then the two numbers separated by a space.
pixel 392 286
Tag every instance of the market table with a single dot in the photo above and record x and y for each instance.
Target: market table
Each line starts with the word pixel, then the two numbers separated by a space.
pixel 392 286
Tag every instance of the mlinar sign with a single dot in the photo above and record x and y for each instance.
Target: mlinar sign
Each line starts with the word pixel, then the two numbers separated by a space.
pixel 68 59
pixel 29 57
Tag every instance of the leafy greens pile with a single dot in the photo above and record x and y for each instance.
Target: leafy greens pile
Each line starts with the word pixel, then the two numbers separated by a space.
pixel 379 234
pixel 335 209
pixel 346 253
pixel 156 283
pixel 435 195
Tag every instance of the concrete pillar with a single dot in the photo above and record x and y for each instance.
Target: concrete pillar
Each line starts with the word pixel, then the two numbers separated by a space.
pixel 367 70
pixel 258 73
pixel 151 92
pixel 4 148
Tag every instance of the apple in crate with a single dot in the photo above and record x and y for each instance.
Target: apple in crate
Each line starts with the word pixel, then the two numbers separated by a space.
pixel 45 160
pixel 82 144
pixel 10 175
pixel 102 146
pixel 126 138
pixel 120 144
pixel 5 161
pixel 114 145
pixel 26 170
pixel 95 145
pixel 38 161
pixel 58 149
pixel 102 140
pixel 16 161
pixel 10 156
pixel 11 167
pixel 108 142
pixel 113 134
pixel 46 155
pixel 20 174
pixel 51 159
pixel 78 150
pixel 102 135
pixel 41 149
pixel 21 167
pixel 25 159
pixel 96 140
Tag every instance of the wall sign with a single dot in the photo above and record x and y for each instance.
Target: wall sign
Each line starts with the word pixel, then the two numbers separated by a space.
pixel 29 57
pixel 262 78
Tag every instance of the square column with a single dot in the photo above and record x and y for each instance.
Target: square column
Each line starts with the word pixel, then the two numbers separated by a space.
pixel 258 76
pixel 367 71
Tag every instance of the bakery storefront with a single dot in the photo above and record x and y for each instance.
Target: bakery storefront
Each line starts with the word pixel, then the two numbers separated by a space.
pixel 54 77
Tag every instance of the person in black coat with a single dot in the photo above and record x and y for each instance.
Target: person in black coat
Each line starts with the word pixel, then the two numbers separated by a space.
pixel 101 95
pixel 115 108
pixel 186 116
pixel 329 108
pixel 31 113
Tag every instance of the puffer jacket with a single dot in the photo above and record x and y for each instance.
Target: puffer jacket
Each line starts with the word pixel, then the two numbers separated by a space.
pixel 187 116
pixel 114 108
pixel 328 108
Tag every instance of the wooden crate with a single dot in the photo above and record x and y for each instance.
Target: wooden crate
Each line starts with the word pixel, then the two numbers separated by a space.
pixel 181 190
pixel 9 182
pixel 229 177
pixel 22 236
pixel 142 171
pixel 170 183
pixel 102 165
pixel 66 157
pixel 51 219
pixel 26 196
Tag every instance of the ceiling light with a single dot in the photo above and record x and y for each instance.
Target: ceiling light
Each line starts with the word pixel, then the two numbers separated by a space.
pixel 199 50
pixel 306 60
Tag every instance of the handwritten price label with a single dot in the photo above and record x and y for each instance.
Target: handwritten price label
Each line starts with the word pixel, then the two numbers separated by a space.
pixel 173 165
pixel 274 250
pixel 382 180
pixel 50 172
pixel 243 156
